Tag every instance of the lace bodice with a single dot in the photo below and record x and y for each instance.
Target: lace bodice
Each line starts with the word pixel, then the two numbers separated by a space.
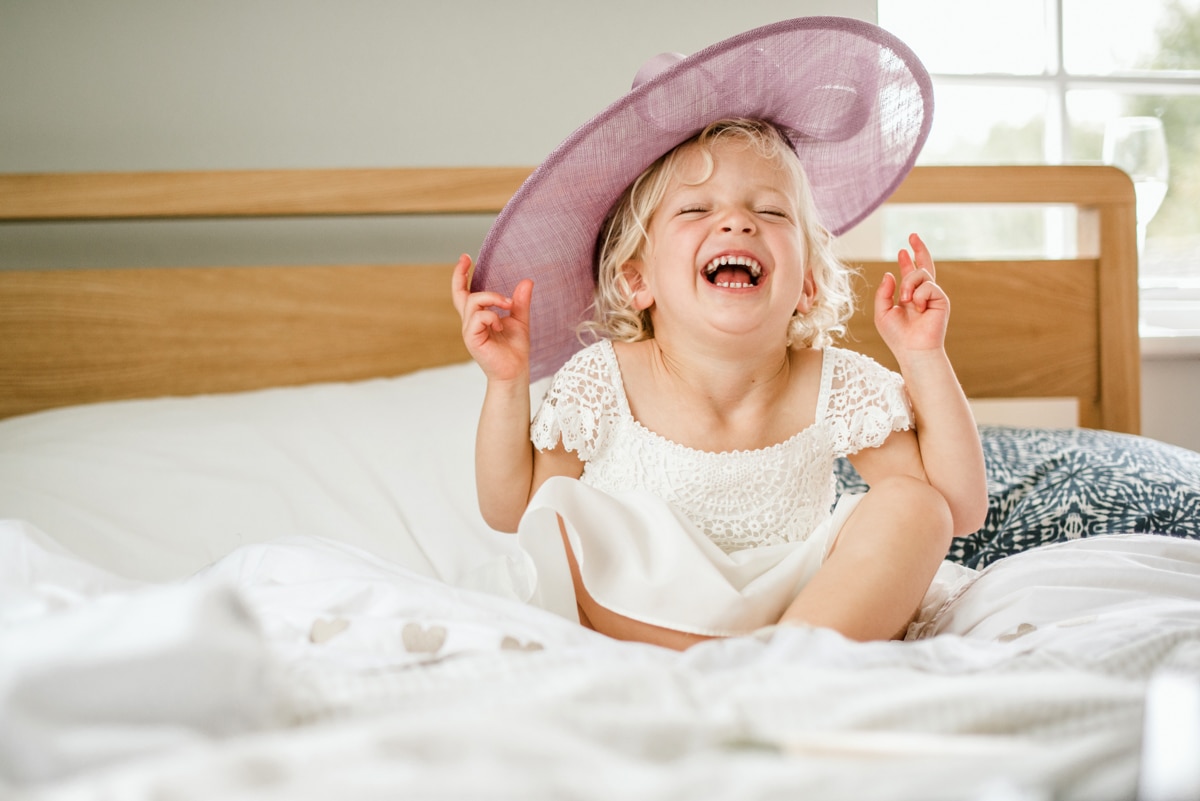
pixel 739 499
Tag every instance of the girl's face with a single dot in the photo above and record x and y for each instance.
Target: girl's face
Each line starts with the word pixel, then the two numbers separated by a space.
pixel 726 254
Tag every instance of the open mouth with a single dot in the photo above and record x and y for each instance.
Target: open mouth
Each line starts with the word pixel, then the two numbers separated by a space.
pixel 733 272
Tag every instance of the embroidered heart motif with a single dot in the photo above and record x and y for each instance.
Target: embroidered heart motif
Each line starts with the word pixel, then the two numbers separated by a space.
pixel 513 644
pixel 325 630
pixel 1021 631
pixel 420 640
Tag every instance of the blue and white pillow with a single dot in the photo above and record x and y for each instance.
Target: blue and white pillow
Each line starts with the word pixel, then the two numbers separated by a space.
pixel 1051 485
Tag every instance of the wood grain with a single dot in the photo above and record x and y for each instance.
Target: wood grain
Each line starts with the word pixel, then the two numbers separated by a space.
pixel 1004 340
pixel 257 193
pixel 78 336
pixel 1041 328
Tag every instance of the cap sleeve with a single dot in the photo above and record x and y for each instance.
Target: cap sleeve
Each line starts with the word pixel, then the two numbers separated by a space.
pixel 579 408
pixel 866 402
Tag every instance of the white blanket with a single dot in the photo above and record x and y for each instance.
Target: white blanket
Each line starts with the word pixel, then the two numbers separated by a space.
pixel 303 668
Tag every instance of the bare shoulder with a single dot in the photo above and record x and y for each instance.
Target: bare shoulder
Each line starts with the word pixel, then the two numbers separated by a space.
pixel 633 355
pixel 634 365
pixel 806 361
pixel 806 367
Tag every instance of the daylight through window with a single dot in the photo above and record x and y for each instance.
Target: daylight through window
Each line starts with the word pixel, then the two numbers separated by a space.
pixel 1041 81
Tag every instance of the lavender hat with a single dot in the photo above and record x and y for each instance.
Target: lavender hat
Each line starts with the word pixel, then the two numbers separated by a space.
pixel 856 103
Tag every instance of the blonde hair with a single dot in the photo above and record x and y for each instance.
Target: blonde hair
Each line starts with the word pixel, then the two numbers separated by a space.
pixel 624 235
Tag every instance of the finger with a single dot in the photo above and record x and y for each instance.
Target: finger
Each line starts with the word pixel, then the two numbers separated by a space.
pixel 481 300
pixel 884 294
pixel 923 257
pixel 919 295
pixel 477 327
pixel 928 294
pixel 905 261
pixel 522 297
pixel 910 282
pixel 478 301
pixel 460 282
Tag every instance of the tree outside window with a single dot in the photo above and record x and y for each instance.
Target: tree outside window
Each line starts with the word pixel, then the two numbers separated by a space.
pixel 1035 81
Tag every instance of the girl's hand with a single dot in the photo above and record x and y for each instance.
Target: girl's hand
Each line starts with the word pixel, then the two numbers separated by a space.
pixel 917 319
pixel 500 344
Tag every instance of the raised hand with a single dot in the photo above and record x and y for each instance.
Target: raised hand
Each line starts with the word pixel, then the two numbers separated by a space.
pixel 499 343
pixel 912 315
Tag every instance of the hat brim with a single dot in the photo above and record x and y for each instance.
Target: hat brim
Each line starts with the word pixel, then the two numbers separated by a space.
pixel 855 101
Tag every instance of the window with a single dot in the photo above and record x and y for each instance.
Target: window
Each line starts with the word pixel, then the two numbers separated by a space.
pixel 1037 81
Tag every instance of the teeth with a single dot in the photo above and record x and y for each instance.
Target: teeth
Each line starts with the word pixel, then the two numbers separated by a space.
pixel 741 261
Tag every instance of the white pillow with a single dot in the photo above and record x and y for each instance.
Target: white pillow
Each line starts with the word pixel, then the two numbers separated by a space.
pixel 156 489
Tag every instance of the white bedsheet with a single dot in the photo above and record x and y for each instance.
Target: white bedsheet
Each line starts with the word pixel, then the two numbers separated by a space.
pixel 305 668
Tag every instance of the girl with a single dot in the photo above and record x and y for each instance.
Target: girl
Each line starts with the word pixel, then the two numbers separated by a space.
pixel 679 478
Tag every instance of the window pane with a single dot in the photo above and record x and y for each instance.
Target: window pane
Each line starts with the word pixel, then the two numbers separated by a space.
pixel 986 125
pixel 971 36
pixel 1173 235
pixel 998 88
pixel 982 232
pixel 1102 37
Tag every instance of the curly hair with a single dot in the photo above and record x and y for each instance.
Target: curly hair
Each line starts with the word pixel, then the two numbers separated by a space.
pixel 625 231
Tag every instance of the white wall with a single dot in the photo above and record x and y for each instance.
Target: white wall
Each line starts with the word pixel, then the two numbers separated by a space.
pixel 1170 388
pixel 212 84
pixel 233 84
pixel 206 84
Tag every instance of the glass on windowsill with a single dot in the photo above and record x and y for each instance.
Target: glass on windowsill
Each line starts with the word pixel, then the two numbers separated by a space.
pixel 1138 146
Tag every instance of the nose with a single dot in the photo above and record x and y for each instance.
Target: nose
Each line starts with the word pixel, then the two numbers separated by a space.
pixel 737 221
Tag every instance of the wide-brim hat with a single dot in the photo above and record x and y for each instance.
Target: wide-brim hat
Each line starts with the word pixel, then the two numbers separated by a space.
pixel 854 100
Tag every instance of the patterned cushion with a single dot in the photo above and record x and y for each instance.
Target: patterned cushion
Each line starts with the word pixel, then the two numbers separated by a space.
pixel 1049 485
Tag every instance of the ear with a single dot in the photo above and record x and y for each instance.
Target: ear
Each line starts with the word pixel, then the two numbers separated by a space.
pixel 640 295
pixel 808 296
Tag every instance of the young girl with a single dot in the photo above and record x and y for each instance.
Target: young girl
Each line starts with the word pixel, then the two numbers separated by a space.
pixel 679 478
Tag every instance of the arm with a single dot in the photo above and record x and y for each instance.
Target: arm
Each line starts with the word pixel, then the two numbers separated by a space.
pixel 508 469
pixel 947 441
pixel 500 345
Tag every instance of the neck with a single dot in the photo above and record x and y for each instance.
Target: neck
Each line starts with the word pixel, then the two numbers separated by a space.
pixel 723 376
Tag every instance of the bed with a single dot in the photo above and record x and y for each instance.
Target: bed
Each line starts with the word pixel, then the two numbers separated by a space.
pixel 240 554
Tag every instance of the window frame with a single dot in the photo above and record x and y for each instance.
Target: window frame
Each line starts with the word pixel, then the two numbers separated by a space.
pixel 1057 81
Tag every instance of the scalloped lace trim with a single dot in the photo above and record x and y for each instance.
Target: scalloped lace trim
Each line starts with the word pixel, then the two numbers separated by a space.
pixel 740 499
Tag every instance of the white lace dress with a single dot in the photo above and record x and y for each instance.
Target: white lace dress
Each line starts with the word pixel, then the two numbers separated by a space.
pixel 710 543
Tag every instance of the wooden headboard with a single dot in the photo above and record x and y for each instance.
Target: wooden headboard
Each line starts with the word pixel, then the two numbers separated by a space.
pixel 1019 328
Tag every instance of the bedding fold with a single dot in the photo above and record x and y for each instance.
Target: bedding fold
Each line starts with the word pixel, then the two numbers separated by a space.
pixel 94 669
pixel 307 668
